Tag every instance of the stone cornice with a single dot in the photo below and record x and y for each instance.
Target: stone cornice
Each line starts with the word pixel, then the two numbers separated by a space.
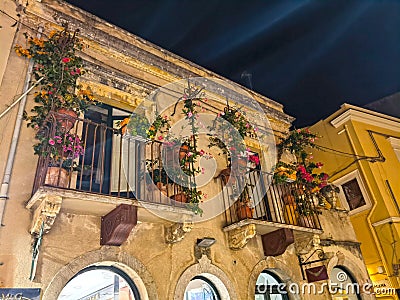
pixel 142 54
pixel 349 113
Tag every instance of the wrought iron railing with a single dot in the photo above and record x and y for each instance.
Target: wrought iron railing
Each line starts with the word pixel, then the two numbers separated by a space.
pixel 255 196
pixel 108 162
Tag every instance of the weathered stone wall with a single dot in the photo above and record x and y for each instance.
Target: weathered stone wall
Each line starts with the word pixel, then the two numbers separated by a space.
pixel 123 70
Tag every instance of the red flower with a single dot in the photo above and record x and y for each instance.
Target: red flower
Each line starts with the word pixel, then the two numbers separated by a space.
pixel 66 60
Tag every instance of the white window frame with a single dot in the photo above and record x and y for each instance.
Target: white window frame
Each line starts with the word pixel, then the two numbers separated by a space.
pixel 395 142
pixel 346 178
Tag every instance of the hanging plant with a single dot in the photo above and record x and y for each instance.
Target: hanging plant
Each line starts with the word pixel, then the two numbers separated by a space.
pixel 228 124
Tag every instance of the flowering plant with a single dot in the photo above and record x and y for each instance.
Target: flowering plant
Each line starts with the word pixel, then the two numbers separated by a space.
pixel 56 62
pixel 138 125
pixel 61 149
pixel 229 123
pixel 302 170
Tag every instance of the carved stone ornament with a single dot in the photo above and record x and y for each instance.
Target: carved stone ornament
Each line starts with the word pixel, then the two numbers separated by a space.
pixel 276 242
pixel 46 212
pixel 176 232
pixel 239 237
pixel 118 224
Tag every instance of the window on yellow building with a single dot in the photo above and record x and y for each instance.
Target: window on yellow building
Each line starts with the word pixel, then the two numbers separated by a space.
pixel 353 194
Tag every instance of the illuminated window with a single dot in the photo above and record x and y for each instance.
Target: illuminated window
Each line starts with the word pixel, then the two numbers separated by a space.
pixel 100 283
pixel 270 287
pixel 343 285
pixel 200 288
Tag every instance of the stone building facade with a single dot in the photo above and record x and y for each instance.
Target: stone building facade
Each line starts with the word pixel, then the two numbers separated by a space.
pixel 159 258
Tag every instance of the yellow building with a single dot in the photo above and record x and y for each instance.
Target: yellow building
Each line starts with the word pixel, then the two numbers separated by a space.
pixel 61 224
pixel 362 153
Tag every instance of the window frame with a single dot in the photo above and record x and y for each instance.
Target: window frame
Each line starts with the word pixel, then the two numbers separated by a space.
pixel 342 197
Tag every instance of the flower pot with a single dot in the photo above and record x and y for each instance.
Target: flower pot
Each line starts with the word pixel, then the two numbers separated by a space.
pixel 180 197
pixel 244 211
pixel 66 118
pixel 225 175
pixel 57 176
pixel 161 187
pixel 184 149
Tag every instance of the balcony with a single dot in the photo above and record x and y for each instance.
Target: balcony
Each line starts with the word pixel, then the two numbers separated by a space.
pixel 91 168
pixel 254 205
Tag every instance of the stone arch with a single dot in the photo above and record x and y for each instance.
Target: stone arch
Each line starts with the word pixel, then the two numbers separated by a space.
pixel 106 256
pixel 279 268
pixel 206 269
pixel 349 262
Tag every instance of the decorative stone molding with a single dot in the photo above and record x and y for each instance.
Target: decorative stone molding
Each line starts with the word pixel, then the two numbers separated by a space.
pixel 199 252
pixel 305 242
pixel 46 212
pixel 107 256
pixel 239 237
pixel 176 232
pixel 222 282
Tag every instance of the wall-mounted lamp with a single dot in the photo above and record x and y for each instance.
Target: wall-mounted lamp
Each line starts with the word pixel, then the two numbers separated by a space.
pixel 205 242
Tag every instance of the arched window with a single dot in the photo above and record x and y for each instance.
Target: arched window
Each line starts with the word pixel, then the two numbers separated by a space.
pixel 100 282
pixel 270 287
pixel 343 284
pixel 200 288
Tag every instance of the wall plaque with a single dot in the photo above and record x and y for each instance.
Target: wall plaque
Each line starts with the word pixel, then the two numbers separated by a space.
pixel 19 294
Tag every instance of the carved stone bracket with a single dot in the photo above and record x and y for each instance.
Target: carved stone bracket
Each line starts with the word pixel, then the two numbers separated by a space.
pixel 239 237
pixel 306 242
pixel 46 212
pixel 176 232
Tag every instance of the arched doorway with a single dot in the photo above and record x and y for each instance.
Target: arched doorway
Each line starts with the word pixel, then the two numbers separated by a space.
pixel 100 283
pixel 270 287
pixel 201 288
pixel 343 284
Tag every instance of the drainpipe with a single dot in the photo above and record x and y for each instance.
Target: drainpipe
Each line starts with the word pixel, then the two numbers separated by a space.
pixel 14 142
pixel 371 212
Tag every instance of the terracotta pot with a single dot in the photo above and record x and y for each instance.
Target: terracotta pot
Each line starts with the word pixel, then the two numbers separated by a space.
pixel 180 197
pixel 225 175
pixel 244 211
pixel 57 176
pixel 289 199
pixel 66 118
pixel 183 151
pixel 162 188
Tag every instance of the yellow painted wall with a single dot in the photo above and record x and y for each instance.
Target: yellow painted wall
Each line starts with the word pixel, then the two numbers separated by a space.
pixel 352 136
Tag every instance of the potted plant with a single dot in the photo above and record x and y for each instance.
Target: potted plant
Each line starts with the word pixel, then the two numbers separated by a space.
pixel 58 101
pixel 306 183
pixel 61 151
pixel 59 67
pixel 234 126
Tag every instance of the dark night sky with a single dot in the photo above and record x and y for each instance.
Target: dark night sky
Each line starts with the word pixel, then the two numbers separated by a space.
pixel 311 56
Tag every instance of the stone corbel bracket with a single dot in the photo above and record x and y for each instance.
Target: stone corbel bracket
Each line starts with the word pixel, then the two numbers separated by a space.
pixel 176 232
pixel 46 212
pixel 239 237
